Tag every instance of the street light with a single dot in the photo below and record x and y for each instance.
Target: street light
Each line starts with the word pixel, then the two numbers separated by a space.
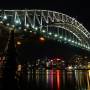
pixel 18 43
pixel 42 39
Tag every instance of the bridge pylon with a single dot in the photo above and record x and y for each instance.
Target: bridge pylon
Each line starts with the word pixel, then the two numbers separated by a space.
pixel 10 65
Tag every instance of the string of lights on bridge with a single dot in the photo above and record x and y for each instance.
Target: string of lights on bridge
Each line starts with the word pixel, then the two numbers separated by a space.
pixel 18 24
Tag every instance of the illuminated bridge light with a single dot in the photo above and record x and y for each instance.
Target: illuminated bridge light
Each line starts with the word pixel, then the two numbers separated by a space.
pixel 55 35
pixel 42 39
pixel 30 31
pixel 13 26
pixel 65 38
pixel 69 40
pixel 25 29
pixel 33 27
pixel 27 25
pixel 1 22
pixel 17 21
pixel 78 43
pixel 36 28
pixel 50 33
pixel 43 31
pixel 7 24
pixel 72 41
pixel 84 45
pixel 88 47
pixel 19 28
pixel 60 37
pixel 18 43
pixel 75 42
pixel 5 17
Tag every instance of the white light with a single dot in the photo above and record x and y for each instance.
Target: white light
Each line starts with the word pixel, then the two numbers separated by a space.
pixel 60 37
pixel 70 67
pixel 55 35
pixel 5 17
pixel 69 40
pixel 1 22
pixel 16 21
pixel 50 33
pixel 18 43
pixel 72 41
pixel 65 38
pixel 84 45
pixel 7 24
pixel 75 42
pixel 36 28
pixel 19 28
pixel 27 25
pixel 32 26
pixel 75 67
pixel 25 29
pixel 43 31
pixel 81 44
pixel 30 31
pixel 78 43
pixel 19 68
pixel 88 47
pixel 51 60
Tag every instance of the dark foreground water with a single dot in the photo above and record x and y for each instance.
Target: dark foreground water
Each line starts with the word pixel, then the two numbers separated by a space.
pixel 48 80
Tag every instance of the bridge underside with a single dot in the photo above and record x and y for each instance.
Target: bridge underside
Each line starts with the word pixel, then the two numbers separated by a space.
pixel 35 48
pixel 32 47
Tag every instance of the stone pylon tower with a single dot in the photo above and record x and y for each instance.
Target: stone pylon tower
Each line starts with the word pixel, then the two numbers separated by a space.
pixel 10 65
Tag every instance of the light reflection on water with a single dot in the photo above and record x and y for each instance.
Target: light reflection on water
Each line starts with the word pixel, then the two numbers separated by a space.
pixel 53 80
pixel 88 80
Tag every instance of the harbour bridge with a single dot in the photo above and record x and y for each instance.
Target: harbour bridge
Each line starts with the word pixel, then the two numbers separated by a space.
pixel 50 24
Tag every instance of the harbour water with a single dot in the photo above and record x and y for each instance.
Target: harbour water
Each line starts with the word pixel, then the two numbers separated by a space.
pixel 42 79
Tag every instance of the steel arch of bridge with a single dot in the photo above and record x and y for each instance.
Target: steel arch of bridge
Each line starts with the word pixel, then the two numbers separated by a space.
pixel 51 24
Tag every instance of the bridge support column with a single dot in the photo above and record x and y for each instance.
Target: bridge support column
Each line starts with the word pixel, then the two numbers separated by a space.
pixel 10 65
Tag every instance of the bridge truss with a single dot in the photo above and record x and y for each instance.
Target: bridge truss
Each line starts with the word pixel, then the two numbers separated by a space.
pixel 51 24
